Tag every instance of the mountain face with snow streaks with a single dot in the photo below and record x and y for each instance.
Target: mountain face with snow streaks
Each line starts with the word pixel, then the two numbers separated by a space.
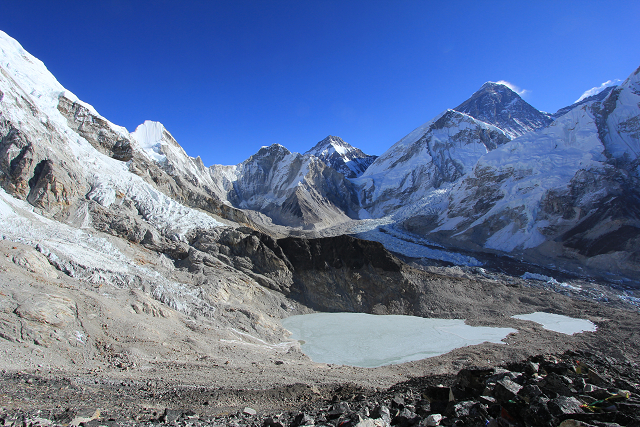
pixel 567 192
pixel 446 148
pixel 292 189
pixel 346 159
pixel 437 153
pixel 498 105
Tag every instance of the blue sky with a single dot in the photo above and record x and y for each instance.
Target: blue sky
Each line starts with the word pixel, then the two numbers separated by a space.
pixel 227 77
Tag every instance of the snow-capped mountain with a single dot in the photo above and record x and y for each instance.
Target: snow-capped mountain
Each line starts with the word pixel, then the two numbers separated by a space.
pixel 346 159
pixel 566 194
pixel 292 189
pixel 436 153
pixel 597 97
pixel 494 174
pixel 444 149
pixel 74 166
pixel 498 105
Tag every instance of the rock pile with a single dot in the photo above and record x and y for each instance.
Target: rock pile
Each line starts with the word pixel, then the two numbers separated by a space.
pixel 575 389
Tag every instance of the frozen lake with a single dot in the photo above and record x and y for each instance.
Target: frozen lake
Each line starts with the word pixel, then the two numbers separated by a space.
pixel 367 340
pixel 559 323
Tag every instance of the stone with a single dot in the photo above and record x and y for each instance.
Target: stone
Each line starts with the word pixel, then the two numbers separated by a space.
pixel 597 379
pixel 596 392
pixel 439 398
pixel 423 408
pixel 460 409
pixel 249 411
pixel 574 423
pixel 303 419
pixel 506 390
pixel 472 381
pixel 500 373
pixel 529 392
pixel 338 409
pixel 538 414
pixel 100 423
pixel 270 422
pixel 487 400
pixel 170 415
pixel 433 420
pixel 369 422
pixel 555 384
pixel 405 418
pixel 531 368
pixel 397 401
pixel 382 412
pixel 564 405
pixel 84 416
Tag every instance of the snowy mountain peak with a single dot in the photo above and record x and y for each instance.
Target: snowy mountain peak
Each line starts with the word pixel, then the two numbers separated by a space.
pixel 496 86
pixel 498 105
pixel 342 156
pixel 152 136
pixel 271 151
pixel 329 142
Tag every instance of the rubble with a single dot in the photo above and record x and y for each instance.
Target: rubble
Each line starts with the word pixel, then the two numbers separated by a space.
pixel 543 390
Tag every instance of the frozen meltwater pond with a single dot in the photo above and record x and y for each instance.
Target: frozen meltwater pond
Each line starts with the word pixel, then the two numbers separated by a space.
pixel 368 341
pixel 559 323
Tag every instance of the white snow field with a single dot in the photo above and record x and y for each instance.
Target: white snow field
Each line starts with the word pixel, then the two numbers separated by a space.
pixel 369 341
pixel 559 323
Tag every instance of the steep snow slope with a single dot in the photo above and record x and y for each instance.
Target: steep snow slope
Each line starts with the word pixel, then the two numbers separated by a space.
pixel 343 157
pixel 53 166
pixel 597 97
pixel 438 152
pixel 498 105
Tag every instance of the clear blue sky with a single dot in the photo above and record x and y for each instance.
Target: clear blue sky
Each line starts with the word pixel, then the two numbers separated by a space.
pixel 227 77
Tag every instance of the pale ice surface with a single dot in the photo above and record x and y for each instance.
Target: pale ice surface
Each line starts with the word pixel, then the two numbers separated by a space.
pixel 369 341
pixel 559 323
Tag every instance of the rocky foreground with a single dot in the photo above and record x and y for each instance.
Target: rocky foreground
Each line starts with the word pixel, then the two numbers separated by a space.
pixel 573 389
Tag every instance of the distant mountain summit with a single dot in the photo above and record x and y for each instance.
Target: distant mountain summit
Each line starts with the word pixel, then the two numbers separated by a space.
pixel 497 105
pixel 342 156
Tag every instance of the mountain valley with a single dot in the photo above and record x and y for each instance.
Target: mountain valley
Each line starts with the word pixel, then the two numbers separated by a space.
pixel 127 265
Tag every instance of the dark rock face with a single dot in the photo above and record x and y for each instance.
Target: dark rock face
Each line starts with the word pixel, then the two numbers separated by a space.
pixel 337 252
pixel 500 106
pixel 16 159
pixel 45 182
pixel 347 274
pixel 95 130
